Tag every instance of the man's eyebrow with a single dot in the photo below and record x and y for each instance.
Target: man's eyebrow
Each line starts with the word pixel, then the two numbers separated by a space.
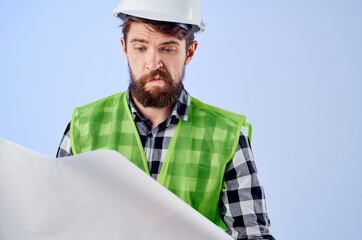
pixel 171 42
pixel 138 40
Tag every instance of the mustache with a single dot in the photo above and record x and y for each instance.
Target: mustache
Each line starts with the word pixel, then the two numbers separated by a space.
pixel 164 74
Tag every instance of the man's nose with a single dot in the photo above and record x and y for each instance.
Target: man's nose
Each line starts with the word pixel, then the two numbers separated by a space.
pixel 153 61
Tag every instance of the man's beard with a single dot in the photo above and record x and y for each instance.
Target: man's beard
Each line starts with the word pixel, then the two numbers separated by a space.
pixel 156 97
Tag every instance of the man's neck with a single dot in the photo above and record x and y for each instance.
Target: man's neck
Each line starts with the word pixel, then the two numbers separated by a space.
pixel 155 115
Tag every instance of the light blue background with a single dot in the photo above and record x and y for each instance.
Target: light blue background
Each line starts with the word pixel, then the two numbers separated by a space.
pixel 294 68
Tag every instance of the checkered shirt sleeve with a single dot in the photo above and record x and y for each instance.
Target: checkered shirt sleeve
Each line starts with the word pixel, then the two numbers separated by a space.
pixel 65 148
pixel 243 207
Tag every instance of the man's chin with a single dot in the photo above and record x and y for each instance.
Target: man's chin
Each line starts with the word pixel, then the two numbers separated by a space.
pixel 157 94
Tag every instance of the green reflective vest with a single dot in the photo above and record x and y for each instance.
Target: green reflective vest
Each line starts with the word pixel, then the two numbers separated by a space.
pixel 196 158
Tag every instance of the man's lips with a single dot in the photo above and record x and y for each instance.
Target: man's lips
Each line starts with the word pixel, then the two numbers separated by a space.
pixel 157 81
pixel 157 78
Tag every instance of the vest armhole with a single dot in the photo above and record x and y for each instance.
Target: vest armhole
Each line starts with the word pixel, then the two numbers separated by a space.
pixel 247 130
pixel 71 132
pixel 237 136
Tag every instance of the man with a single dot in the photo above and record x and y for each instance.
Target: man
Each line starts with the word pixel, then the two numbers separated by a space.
pixel 199 152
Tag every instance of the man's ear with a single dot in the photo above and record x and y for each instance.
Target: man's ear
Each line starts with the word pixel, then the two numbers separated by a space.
pixel 190 53
pixel 123 42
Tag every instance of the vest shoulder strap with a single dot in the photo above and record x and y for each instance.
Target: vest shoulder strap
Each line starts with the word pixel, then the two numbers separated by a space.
pixel 246 128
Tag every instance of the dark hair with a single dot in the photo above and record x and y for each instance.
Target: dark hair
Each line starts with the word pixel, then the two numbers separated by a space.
pixel 167 28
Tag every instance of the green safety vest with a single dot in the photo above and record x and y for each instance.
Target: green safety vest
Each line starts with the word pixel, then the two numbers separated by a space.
pixel 197 155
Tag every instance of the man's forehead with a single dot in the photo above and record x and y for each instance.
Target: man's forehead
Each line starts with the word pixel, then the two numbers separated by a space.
pixel 144 33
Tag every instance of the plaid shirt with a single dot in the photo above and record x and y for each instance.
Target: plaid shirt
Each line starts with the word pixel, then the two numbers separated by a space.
pixel 242 201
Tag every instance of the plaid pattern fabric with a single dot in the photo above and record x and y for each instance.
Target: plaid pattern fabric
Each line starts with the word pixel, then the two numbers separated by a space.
pixel 242 202
pixel 105 125
pixel 197 156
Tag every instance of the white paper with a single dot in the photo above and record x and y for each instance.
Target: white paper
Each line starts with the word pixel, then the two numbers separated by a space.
pixel 96 195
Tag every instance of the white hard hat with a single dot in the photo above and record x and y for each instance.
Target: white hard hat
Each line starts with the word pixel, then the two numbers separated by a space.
pixel 177 11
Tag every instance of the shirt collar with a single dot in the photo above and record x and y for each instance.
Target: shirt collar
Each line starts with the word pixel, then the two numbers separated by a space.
pixel 180 110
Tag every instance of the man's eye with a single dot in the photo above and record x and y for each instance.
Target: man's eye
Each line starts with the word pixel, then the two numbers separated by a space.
pixel 140 49
pixel 168 50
